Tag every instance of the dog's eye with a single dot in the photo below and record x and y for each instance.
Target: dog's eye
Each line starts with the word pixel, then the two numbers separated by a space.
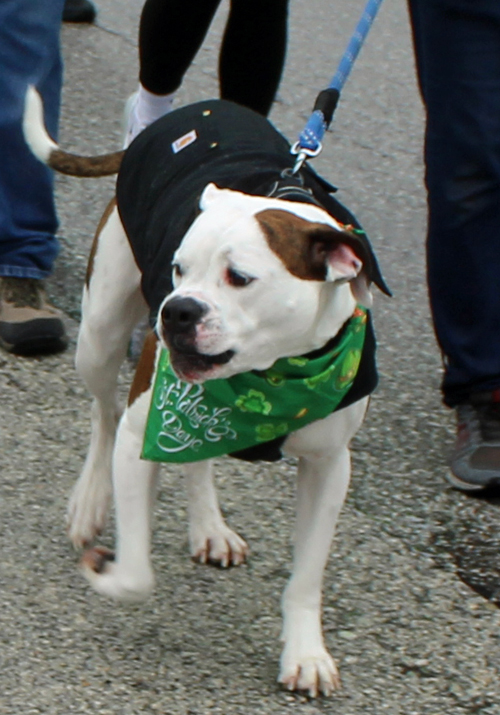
pixel 238 280
pixel 177 270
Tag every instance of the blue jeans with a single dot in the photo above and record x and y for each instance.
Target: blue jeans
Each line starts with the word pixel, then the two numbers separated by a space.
pixel 457 46
pixel 29 54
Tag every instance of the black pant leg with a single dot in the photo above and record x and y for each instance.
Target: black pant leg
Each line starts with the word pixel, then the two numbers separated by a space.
pixel 253 52
pixel 170 34
pixel 457 46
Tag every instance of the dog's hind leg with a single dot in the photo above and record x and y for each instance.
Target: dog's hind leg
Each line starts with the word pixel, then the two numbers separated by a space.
pixel 210 539
pixel 112 304
pixel 323 479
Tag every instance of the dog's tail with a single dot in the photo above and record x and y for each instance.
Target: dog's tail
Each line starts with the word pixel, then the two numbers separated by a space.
pixel 45 149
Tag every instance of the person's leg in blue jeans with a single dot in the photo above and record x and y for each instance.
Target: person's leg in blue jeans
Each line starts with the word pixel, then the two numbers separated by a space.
pixel 457 47
pixel 29 54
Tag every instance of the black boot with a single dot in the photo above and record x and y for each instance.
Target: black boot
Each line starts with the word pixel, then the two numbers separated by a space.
pixel 79 11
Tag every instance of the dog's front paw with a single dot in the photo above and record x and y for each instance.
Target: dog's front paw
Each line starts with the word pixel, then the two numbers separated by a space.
pixel 219 545
pixel 109 579
pixel 87 510
pixel 315 673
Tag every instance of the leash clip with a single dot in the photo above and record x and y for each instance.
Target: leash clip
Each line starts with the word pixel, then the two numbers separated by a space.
pixel 302 154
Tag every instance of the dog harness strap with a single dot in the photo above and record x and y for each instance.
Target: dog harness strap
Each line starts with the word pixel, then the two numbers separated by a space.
pixel 188 423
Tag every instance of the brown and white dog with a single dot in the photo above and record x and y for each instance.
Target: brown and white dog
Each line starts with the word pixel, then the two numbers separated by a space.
pixel 268 278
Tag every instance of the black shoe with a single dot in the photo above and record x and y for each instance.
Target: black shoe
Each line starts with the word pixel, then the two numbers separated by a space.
pixel 29 324
pixel 79 11
pixel 475 462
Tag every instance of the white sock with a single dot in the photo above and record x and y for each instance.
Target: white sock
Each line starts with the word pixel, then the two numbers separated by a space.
pixel 143 108
pixel 151 107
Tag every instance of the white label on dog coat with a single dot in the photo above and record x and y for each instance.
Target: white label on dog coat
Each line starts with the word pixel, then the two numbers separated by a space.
pixel 184 141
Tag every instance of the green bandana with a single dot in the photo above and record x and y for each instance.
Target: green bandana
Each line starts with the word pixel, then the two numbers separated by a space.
pixel 188 423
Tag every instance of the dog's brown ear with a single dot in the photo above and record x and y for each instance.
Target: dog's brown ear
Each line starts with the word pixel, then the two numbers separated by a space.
pixel 310 250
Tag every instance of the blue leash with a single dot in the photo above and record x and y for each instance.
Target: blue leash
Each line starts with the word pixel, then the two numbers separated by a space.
pixel 309 142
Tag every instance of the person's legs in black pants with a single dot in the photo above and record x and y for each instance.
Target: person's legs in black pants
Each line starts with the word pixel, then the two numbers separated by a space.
pixel 172 31
pixel 252 53
pixel 170 34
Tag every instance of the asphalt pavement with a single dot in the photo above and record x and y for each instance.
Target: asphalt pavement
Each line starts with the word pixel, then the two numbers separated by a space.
pixel 411 590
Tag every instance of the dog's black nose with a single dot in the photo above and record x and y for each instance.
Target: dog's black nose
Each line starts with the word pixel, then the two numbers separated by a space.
pixel 180 315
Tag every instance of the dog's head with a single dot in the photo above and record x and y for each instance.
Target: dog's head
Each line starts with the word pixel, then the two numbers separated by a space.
pixel 257 279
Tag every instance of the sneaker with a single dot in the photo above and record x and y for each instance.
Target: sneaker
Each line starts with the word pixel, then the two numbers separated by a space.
pixel 475 462
pixel 29 325
pixel 79 11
